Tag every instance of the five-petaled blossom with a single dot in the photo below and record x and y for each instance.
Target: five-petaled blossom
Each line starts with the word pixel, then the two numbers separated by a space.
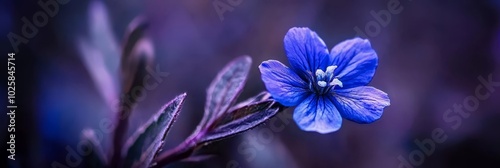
pixel 325 86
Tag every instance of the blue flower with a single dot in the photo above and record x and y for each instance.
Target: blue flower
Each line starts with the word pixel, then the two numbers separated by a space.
pixel 325 87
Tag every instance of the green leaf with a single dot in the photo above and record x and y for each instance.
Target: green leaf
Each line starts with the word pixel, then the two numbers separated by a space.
pixel 96 156
pixel 144 145
pixel 225 88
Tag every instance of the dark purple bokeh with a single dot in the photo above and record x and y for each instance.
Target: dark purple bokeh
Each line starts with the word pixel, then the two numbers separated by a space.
pixel 431 54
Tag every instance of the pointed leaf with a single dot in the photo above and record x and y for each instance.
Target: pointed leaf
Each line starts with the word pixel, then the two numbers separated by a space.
pixel 242 109
pixel 100 54
pixel 142 57
pixel 135 32
pixel 102 77
pixel 259 97
pixel 137 54
pixel 102 35
pixel 249 117
pixel 225 88
pixel 96 157
pixel 148 139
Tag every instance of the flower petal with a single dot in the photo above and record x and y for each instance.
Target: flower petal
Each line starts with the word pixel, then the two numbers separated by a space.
pixel 356 61
pixel 284 85
pixel 305 50
pixel 317 113
pixel 364 104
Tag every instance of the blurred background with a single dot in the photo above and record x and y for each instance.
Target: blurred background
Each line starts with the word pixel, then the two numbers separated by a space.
pixel 432 55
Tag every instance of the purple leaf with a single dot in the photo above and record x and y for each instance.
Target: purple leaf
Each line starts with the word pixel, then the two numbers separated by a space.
pixel 100 54
pixel 244 118
pixel 144 145
pixel 225 88
pixel 137 54
pixel 242 109
pixel 96 158
pixel 259 97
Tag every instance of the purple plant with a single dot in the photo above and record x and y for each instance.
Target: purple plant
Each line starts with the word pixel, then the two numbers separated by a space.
pixel 222 118
pixel 324 85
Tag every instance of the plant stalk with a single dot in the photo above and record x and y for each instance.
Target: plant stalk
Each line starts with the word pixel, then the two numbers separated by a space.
pixel 119 134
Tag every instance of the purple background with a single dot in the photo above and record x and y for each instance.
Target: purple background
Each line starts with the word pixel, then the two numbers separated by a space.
pixel 431 54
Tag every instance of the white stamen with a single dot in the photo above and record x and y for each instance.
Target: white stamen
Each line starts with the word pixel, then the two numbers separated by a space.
pixel 322 83
pixel 330 69
pixel 329 72
pixel 336 82
pixel 326 80
pixel 320 75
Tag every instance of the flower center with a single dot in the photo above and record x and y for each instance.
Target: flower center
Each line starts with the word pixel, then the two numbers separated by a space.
pixel 325 81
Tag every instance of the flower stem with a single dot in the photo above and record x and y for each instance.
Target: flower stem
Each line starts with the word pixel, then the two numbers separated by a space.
pixel 182 151
pixel 119 134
